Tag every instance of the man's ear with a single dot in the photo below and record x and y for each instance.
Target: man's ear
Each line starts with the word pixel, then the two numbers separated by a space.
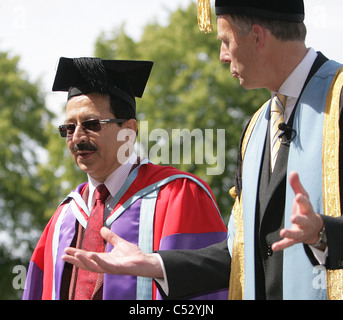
pixel 131 124
pixel 259 34
pixel 129 129
pixel 127 134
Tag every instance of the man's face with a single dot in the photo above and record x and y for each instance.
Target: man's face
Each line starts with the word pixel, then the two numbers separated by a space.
pixel 239 51
pixel 96 153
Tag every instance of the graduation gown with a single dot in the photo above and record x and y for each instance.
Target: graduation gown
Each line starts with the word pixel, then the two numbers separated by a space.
pixel 158 208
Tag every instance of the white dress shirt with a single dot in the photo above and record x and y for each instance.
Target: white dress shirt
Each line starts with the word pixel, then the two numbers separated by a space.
pixel 294 83
pixel 113 182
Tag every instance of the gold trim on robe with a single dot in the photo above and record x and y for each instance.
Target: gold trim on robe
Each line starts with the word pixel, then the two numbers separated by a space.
pixel 236 285
pixel 331 183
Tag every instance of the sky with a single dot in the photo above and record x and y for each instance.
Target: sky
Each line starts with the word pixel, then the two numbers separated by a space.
pixel 41 31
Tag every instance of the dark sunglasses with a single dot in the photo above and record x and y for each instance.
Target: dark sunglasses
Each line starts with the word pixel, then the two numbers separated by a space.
pixel 89 125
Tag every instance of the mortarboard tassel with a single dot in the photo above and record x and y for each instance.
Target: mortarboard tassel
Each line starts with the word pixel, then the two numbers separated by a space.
pixel 204 16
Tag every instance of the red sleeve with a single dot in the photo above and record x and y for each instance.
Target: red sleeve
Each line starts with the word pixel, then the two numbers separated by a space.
pixel 184 207
pixel 42 255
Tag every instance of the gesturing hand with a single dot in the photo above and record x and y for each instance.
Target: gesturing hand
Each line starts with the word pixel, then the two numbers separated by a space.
pixel 306 224
pixel 125 258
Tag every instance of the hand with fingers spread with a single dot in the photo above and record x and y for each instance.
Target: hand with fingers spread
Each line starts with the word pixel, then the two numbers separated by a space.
pixel 125 258
pixel 306 224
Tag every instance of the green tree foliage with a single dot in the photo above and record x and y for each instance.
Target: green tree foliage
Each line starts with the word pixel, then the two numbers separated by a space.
pixel 189 88
pixel 22 140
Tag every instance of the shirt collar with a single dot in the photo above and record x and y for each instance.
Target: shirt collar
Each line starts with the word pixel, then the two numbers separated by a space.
pixel 294 83
pixel 114 181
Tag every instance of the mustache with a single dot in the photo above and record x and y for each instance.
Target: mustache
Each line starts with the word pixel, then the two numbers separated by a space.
pixel 84 147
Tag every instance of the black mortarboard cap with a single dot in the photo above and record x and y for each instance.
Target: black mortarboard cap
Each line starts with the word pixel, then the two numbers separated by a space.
pixel 125 79
pixel 283 10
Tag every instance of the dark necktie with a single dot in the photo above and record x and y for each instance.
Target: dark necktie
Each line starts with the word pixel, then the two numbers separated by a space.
pixel 92 241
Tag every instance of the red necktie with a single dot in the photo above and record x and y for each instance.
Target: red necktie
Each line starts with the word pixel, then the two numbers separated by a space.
pixel 92 241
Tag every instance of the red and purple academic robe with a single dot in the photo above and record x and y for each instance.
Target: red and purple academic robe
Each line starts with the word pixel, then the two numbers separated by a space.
pixel 158 208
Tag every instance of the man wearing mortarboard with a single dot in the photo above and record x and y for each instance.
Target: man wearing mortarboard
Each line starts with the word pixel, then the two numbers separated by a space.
pixel 151 206
pixel 286 229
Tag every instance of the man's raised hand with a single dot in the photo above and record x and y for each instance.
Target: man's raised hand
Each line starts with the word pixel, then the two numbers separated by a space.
pixel 125 258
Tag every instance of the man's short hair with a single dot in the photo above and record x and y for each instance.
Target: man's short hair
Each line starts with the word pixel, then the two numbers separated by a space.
pixel 282 30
